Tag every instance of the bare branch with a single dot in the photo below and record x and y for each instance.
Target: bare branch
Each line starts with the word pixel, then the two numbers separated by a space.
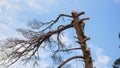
pixel 83 41
pixel 14 49
pixel 60 16
pixel 52 22
pixel 28 48
pixel 69 59
pixel 70 49
pixel 84 19
pixel 80 13
pixel 46 36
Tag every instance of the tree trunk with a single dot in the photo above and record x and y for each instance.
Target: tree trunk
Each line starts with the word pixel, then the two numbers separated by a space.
pixel 79 27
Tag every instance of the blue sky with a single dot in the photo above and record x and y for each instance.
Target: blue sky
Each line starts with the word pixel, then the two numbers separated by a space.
pixel 103 26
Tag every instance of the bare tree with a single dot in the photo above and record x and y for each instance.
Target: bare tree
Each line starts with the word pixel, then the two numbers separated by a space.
pixel 39 37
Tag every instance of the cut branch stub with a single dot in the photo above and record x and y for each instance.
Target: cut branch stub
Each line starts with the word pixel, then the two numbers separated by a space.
pixel 79 28
pixel 79 24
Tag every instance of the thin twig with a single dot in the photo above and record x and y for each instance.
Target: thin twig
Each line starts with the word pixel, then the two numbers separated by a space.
pixel 70 49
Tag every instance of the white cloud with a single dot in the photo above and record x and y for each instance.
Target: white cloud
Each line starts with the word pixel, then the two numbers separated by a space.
pixel 101 60
pixel 43 53
pixel 13 12
pixel 43 63
pixel 9 9
pixel 40 5
pixel 65 39
pixel 35 6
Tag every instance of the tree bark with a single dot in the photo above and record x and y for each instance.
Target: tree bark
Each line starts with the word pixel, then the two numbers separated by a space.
pixel 79 28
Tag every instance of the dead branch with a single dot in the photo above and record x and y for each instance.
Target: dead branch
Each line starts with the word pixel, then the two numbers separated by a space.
pixel 52 22
pixel 70 49
pixel 31 46
pixel 69 59
pixel 28 48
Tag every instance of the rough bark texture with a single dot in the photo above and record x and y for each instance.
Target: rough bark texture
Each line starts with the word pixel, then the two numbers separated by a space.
pixel 79 27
